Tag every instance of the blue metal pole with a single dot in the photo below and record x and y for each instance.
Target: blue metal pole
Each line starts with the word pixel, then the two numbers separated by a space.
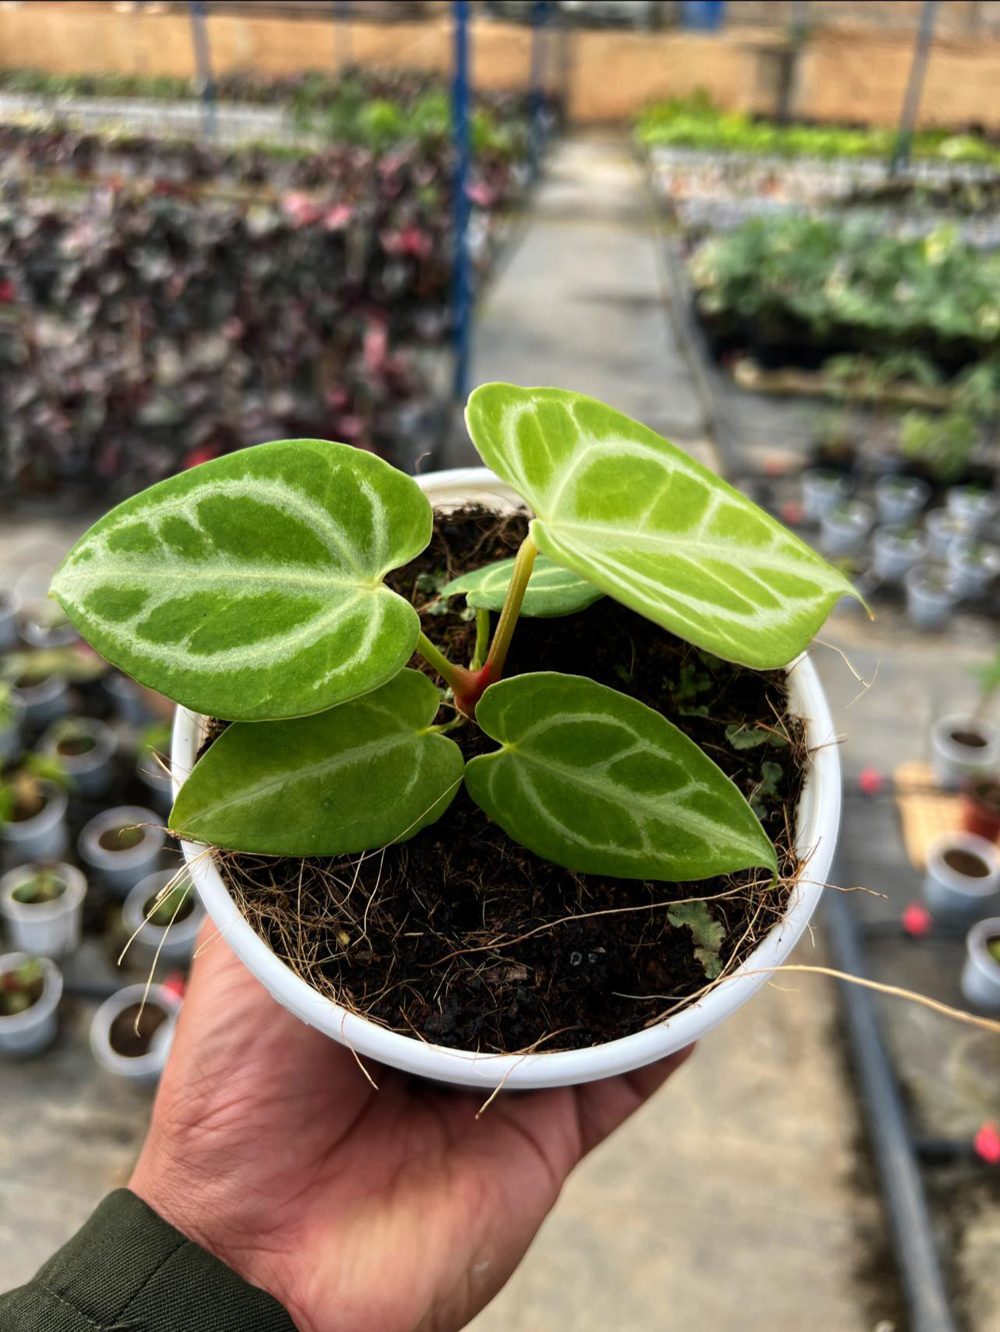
pixel 539 53
pixel 462 271
pixel 914 87
pixel 203 59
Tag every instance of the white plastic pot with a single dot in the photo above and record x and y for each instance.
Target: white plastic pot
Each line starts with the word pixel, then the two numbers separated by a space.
pixel 9 604
pixel 944 530
pixel 893 555
pixel 119 871
pixel 91 771
pixel 929 599
pixel 973 568
pixel 821 491
pixel 843 529
pixel 816 837
pixel 953 758
pixel 33 1030
pixel 899 499
pixel 45 929
pixel 10 734
pixel 981 973
pixel 45 701
pixel 174 943
pixel 976 508
pixel 138 1069
pixel 952 893
pixel 43 837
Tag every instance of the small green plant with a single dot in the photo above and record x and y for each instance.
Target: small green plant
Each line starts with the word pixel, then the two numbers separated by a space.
pixel 22 791
pixel 943 443
pixel 252 589
pixel 993 948
pixel 21 987
pixel 7 711
pixel 42 887
pixel 73 737
pixel 174 905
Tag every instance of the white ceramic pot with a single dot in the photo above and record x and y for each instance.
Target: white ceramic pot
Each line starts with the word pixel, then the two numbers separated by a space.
pixel 976 508
pixel 9 605
pixel 899 499
pixel 46 929
pixel 91 771
pixel 954 758
pixel 929 599
pixel 944 530
pixel 816 837
pixel 981 973
pixel 138 1069
pixel 893 555
pixel 10 734
pixel 954 892
pixel 119 871
pixel 821 491
pixel 45 701
pixel 174 943
pixel 843 529
pixel 43 837
pixel 33 1030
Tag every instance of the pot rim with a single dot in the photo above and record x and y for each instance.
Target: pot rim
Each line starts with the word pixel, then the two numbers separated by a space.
pixel 975 943
pixel 942 736
pixel 48 1001
pixel 969 887
pixel 148 822
pixel 816 835
pixel 69 901
pixel 100 1030
pixel 181 931
pixel 51 812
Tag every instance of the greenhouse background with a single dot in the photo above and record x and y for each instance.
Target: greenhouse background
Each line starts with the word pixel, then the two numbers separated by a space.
pixel 769 231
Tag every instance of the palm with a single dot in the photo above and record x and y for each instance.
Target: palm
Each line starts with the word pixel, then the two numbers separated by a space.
pixel 361 1209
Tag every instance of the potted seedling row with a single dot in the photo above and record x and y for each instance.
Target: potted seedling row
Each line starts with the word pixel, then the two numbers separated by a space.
pixel 43 907
pixel 364 699
pixel 122 845
pixel 132 1031
pixel 981 973
pixel 163 915
pixel 33 804
pixel 30 990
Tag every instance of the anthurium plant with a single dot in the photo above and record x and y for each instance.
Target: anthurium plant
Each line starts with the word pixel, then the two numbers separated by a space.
pixel 252 589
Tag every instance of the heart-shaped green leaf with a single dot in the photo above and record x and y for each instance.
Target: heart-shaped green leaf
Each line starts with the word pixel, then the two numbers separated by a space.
pixel 251 587
pixel 359 776
pixel 657 531
pixel 552 589
pixel 597 782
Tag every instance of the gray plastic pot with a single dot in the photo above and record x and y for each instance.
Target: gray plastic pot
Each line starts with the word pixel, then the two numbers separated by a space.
pixel 10 734
pixel 930 596
pixel 34 1030
pixel 128 699
pixel 173 943
pixel 973 567
pixel 944 530
pixel 9 605
pixel 956 756
pixel 91 771
pixel 156 782
pixel 976 508
pixel 898 499
pixel 981 973
pixel 43 837
pixel 137 1069
pixel 821 491
pixel 953 892
pixel 121 870
pixel 44 929
pixel 843 529
pixel 894 553
pixel 45 701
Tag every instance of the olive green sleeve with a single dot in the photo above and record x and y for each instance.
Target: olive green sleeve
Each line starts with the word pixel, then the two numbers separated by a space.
pixel 127 1270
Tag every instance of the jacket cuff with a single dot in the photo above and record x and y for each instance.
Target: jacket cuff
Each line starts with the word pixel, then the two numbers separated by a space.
pixel 128 1268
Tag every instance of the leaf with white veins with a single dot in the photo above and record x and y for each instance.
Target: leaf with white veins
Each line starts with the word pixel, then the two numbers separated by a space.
pixel 597 782
pixel 552 589
pixel 654 529
pixel 356 777
pixel 250 588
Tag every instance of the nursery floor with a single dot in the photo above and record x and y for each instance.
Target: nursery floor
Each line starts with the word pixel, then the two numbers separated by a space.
pixel 741 1198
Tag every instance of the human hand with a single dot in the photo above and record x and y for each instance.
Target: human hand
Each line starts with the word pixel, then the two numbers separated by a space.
pixel 394 1210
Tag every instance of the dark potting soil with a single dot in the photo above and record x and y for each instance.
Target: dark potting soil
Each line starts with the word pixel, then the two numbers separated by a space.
pixel 967 863
pixel 74 746
pixel 970 739
pixel 120 839
pixel 129 1040
pixel 463 937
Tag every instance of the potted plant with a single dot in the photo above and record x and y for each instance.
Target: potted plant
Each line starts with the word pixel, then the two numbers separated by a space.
pixel 162 914
pixel 944 531
pixel 963 875
pixel 85 748
pixel 121 845
pixel 843 528
pixel 43 907
pixel 981 973
pixel 822 490
pixel 974 565
pixel 11 712
pixel 963 746
pixel 9 605
pixel 899 499
pixel 930 595
pixel 896 550
pixel 132 1031
pixel 981 807
pixel 33 808
pixel 152 767
pixel 41 696
pixel 280 556
pixel 974 506
pixel 30 990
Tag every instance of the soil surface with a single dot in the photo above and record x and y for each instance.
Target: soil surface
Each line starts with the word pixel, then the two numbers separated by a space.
pixel 464 938
pixel 129 1040
pixel 120 839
